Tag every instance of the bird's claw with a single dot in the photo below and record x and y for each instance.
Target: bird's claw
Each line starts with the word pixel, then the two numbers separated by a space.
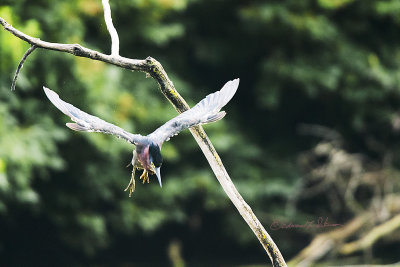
pixel 131 185
pixel 145 176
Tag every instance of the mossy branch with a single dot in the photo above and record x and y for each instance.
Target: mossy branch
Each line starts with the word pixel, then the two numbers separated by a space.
pixel 153 68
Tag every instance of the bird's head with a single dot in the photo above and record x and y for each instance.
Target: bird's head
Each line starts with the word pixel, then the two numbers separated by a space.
pixel 155 160
pixel 149 156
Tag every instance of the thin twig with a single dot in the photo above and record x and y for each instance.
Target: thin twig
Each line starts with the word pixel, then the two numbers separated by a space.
pixel 111 29
pixel 153 68
pixel 21 64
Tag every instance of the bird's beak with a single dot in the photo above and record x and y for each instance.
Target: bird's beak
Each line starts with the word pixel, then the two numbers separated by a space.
pixel 158 175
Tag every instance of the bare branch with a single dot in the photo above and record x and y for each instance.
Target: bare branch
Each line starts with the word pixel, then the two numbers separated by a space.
pixel 153 68
pixel 21 64
pixel 80 51
pixel 375 265
pixel 369 239
pixel 323 243
pixel 111 29
pixel 335 240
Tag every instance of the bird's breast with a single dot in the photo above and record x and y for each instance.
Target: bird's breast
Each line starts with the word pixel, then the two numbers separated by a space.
pixel 143 157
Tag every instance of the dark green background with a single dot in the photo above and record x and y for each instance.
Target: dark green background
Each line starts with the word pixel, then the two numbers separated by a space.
pixel 329 63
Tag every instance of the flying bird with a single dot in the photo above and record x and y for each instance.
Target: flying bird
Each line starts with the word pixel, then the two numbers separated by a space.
pixel 147 154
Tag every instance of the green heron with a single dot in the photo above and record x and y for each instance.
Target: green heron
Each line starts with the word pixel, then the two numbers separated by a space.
pixel 147 155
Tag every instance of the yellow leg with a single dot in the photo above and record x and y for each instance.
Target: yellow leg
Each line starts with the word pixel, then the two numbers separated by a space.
pixel 145 176
pixel 131 185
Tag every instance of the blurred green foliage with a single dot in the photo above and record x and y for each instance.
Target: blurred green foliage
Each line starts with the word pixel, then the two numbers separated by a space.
pixel 333 63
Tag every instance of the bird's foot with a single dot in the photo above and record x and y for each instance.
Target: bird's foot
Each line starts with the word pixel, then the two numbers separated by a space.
pixel 145 176
pixel 131 185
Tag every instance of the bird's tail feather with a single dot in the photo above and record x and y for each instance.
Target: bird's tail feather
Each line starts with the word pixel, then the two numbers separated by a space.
pixel 215 117
pixel 77 127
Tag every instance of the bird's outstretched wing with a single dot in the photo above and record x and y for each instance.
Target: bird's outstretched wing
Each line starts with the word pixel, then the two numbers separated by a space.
pixel 206 111
pixel 88 123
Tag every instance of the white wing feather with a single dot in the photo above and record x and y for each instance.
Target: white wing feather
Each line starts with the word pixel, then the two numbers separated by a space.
pixel 88 123
pixel 206 111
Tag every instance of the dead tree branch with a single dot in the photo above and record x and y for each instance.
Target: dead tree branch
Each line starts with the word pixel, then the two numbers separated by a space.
pixel 153 68
pixel 371 237
pixel 325 242
pixel 335 240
